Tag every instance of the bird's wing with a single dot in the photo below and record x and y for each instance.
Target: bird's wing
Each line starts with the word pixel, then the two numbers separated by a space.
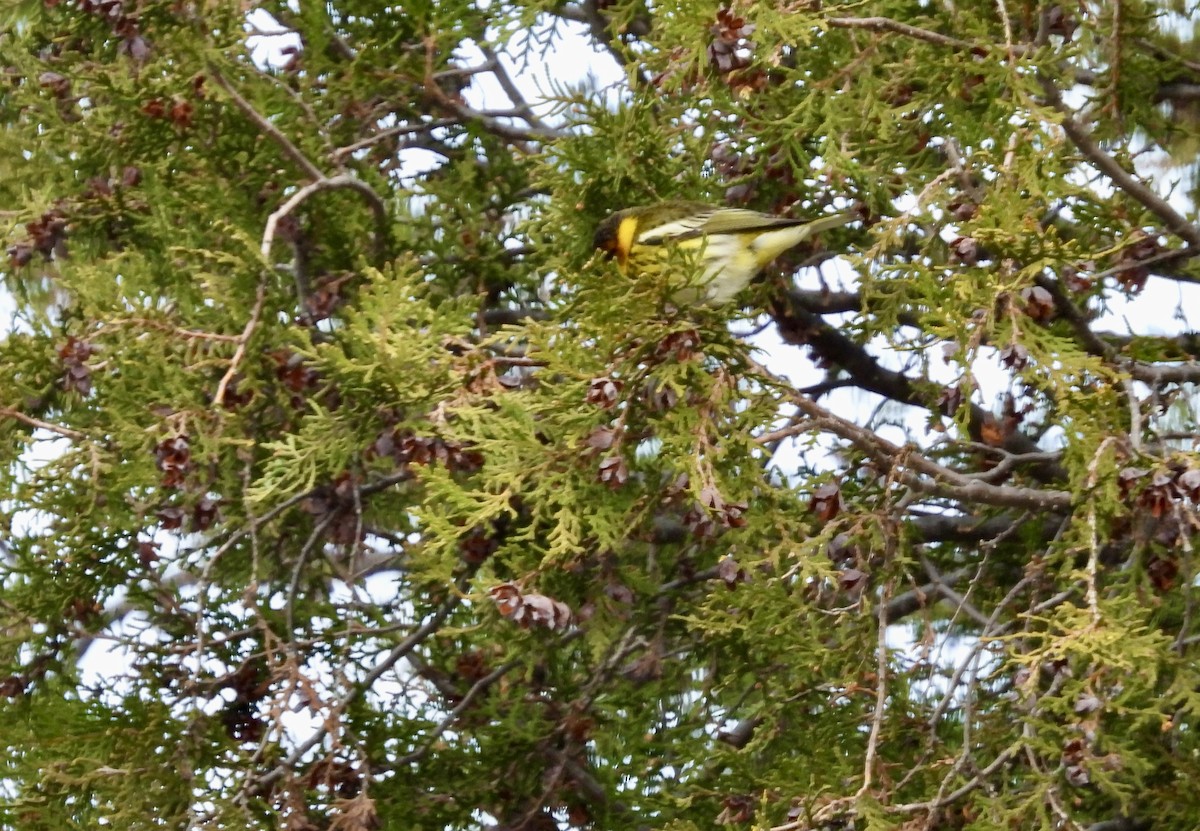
pixel 739 220
pixel 680 227
pixel 705 220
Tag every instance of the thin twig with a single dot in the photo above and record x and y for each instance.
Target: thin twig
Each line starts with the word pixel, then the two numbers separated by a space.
pixel 881 670
pixel 1093 563
pixel 980 642
pixel 911 467
pixel 1135 415
pixel 339 154
pixel 467 700
pixel 397 653
pixel 976 781
pixel 285 144
pixel 340 181
pixel 260 299
pixel 1174 255
pixel 521 107
pixel 57 429
pixel 1175 222
pixel 1008 32
pixel 959 601
pixel 885 24
pixel 318 532
pixel 189 334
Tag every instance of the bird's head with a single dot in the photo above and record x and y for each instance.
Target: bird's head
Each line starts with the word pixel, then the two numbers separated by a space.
pixel 616 234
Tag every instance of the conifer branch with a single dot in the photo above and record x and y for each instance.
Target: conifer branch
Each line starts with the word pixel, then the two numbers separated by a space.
pixel 39 424
pixel 799 326
pixel 258 783
pixel 916 470
pixel 243 341
pixel 1125 181
pixel 285 144
pixel 521 107
pixel 884 24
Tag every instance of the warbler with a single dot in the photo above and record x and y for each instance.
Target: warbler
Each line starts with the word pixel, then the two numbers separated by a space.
pixel 731 245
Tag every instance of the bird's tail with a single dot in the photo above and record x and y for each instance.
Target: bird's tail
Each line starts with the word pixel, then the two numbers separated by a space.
pixel 827 223
pixel 770 244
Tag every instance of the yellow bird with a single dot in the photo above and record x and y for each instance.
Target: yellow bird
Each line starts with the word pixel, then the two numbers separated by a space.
pixel 731 245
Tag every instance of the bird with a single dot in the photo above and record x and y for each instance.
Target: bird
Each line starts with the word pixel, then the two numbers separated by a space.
pixel 731 245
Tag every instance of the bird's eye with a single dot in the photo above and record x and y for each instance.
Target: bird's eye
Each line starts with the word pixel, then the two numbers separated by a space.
pixel 606 243
pixel 605 240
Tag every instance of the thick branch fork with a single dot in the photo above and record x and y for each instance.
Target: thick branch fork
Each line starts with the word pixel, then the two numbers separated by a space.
pixel 916 470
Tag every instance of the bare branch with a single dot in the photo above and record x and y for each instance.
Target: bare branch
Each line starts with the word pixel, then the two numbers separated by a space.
pixel 884 24
pixel 798 325
pixel 1175 255
pixel 493 124
pixel 57 429
pixel 922 597
pixel 341 180
pixel 521 106
pixel 1156 375
pixel 339 155
pixel 256 784
pixel 1120 177
pixel 536 131
pixel 1153 374
pixel 881 696
pixel 917 471
pixel 944 589
pixel 975 782
pixel 260 299
pixel 588 13
pixel 285 144
pixel 477 689
pixel 1093 561
pixel 1120 824
pixel 827 302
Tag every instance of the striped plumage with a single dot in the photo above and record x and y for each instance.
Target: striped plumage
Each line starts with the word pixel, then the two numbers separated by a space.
pixel 732 244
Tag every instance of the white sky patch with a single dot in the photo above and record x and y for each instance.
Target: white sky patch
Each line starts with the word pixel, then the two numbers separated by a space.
pixel 268 42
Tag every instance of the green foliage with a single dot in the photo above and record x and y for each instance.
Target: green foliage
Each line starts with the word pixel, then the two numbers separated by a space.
pixel 374 497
